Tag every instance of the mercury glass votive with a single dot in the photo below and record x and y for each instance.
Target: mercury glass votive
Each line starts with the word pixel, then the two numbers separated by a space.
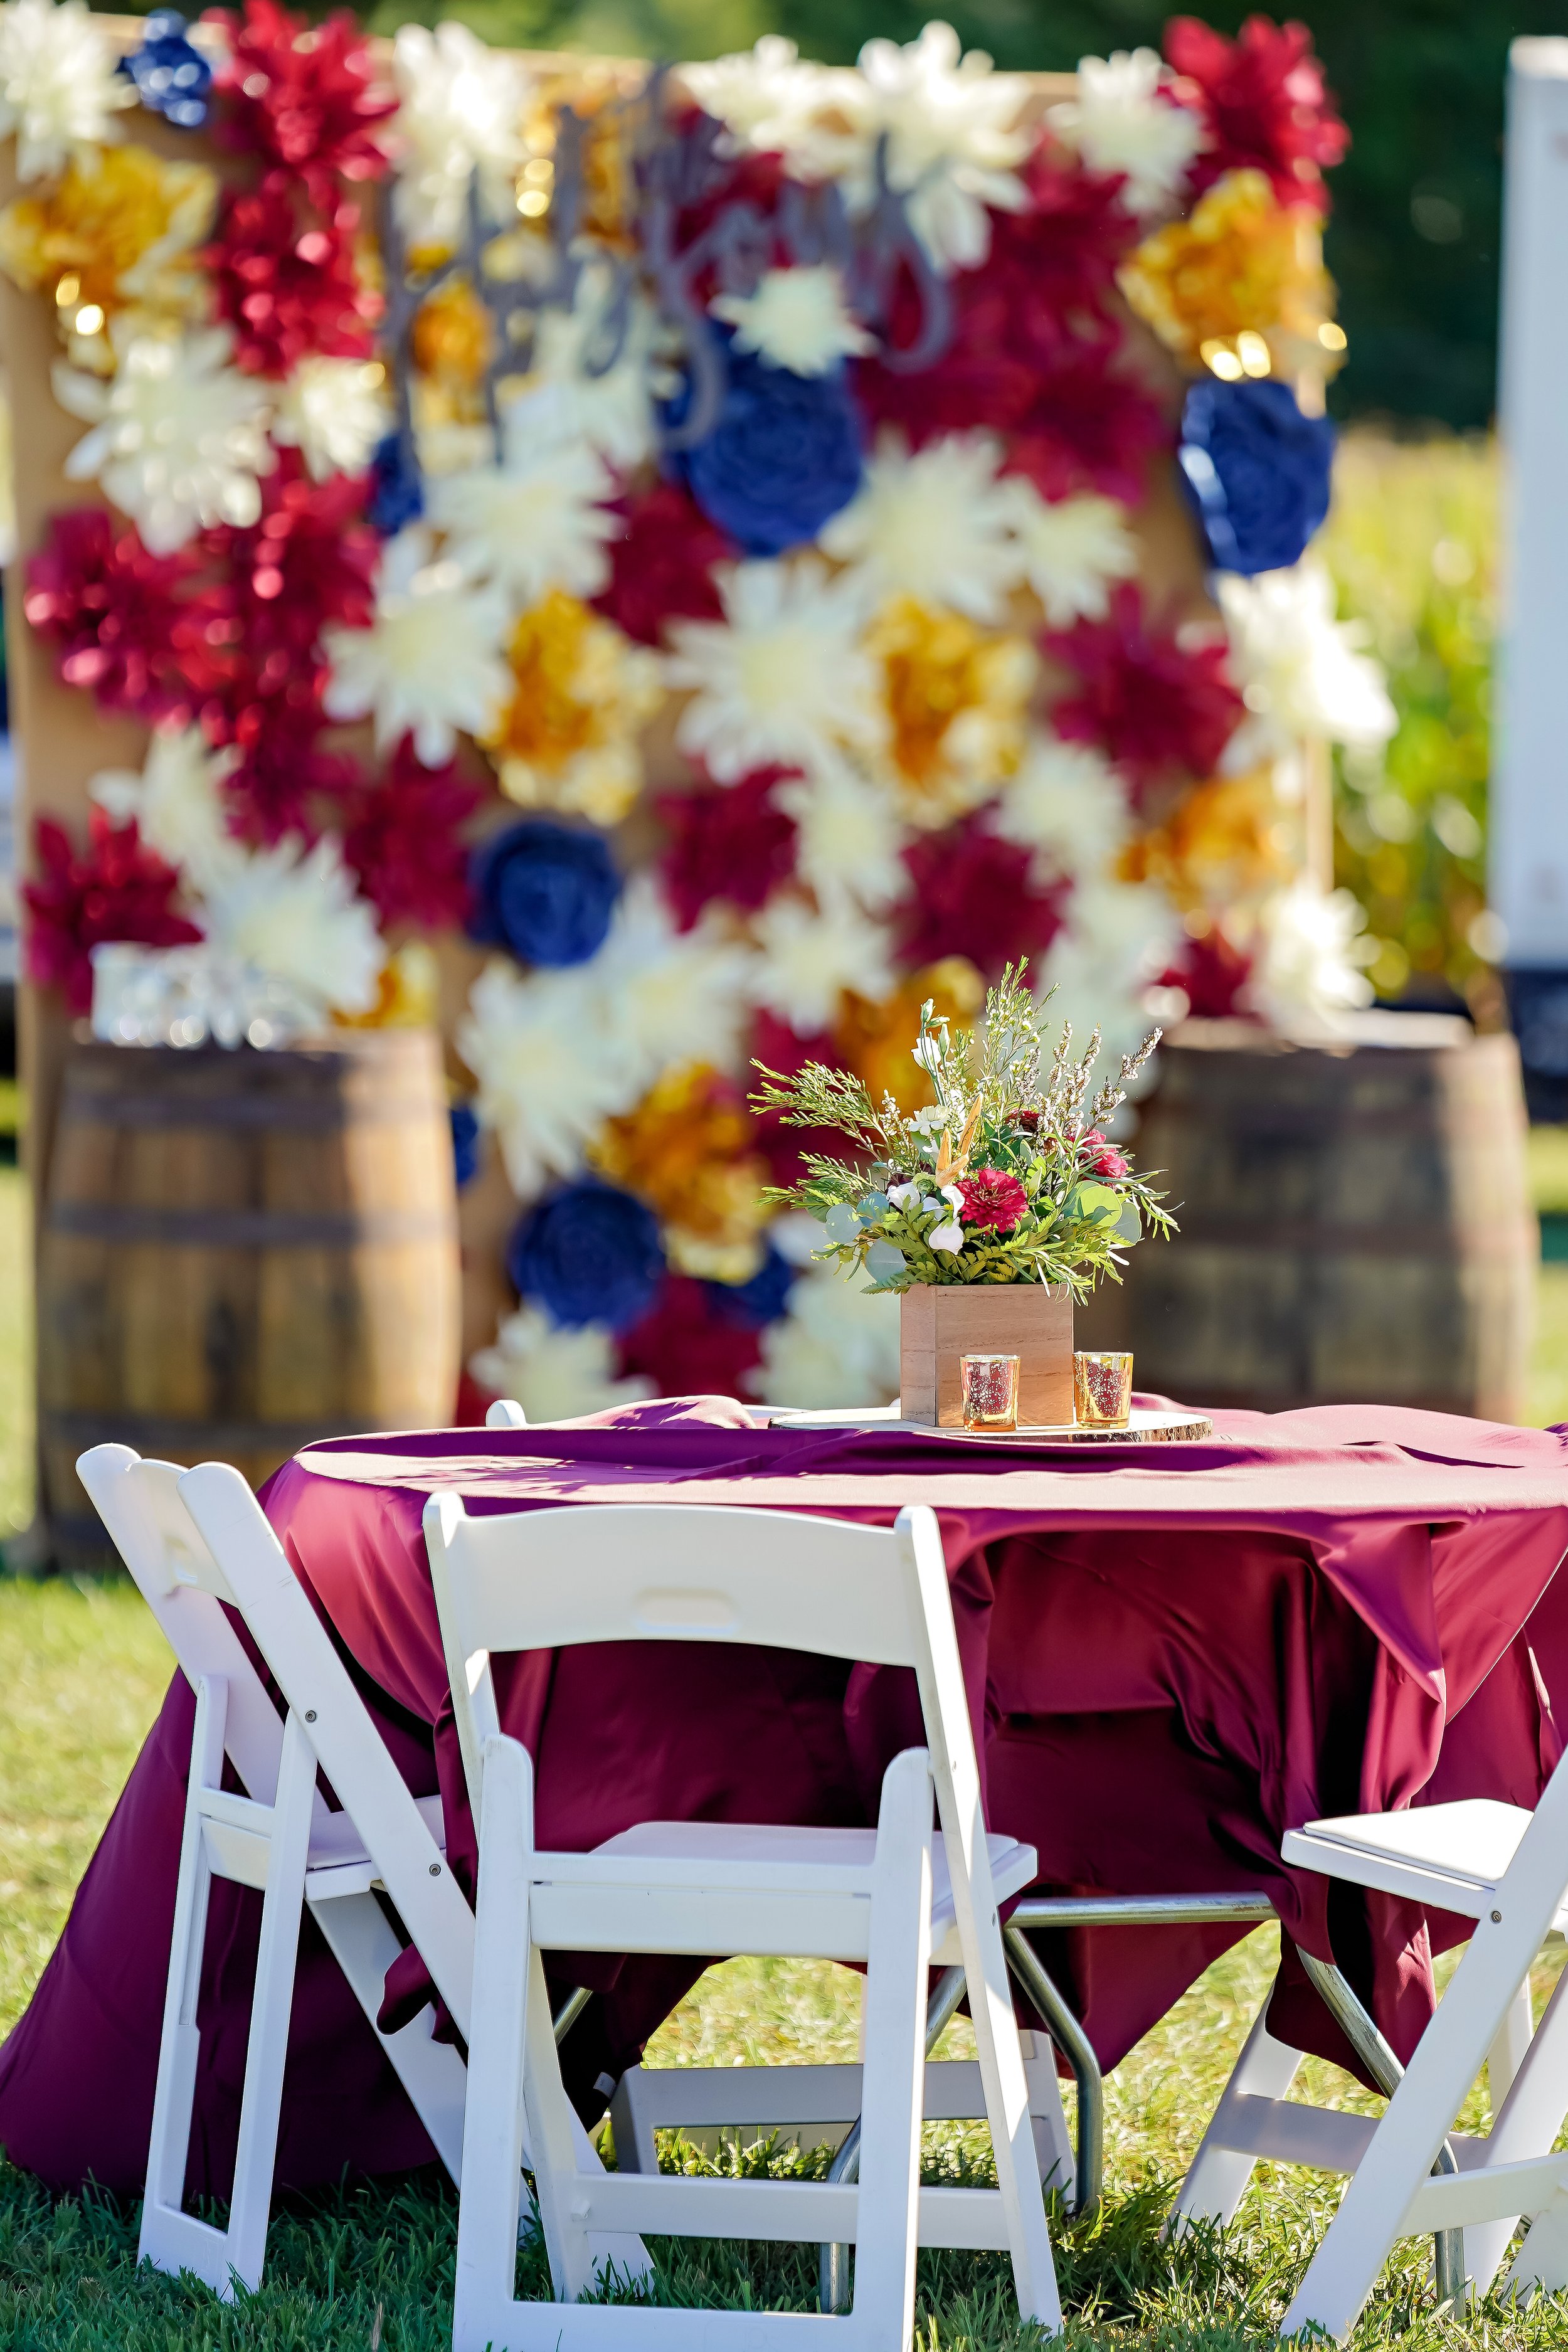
pixel 1102 1388
pixel 990 1391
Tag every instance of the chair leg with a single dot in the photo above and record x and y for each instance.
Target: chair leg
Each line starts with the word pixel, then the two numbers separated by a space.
pixel 1217 2176
pixel 360 1940
pixel 1527 2124
pixel 1040 1990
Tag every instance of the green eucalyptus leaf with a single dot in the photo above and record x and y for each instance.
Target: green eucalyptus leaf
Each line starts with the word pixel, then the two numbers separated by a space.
pixel 841 1223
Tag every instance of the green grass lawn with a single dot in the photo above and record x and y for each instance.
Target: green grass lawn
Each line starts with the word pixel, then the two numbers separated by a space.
pixel 82 1670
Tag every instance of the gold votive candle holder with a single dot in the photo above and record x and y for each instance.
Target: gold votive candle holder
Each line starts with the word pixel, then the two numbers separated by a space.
pixel 1102 1388
pixel 990 1389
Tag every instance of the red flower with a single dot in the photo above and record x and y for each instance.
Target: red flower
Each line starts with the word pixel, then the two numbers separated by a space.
pixel 775 1044
pixel 993 1199
pixel 403 841
pixel 115 889
pixel 287 282
pixel 303 95
pixel 687 1347
pixel 661 568
pixel 1103 1158
pixel 973 897
pixel 1086 426
pixel 284 772
pixel 131 627
pixel 1150 702
pixel 1263 103
pixel 728 842
pixel 310 560
pixel 1211 973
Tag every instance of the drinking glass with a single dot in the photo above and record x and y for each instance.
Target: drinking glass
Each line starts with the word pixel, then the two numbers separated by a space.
pixel 1102 1388
pixel 990 1387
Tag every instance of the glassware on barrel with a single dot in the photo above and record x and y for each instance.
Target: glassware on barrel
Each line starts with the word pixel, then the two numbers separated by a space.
pixel 989 1386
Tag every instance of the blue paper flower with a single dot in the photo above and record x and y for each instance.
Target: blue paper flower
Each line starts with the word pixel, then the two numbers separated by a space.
pixel 1257 470
pixel 546 891
pixel 589 1253
pixel 396 487
pixel 784 456
pixel 464 1143
pixel 761 1300
pixel 172 77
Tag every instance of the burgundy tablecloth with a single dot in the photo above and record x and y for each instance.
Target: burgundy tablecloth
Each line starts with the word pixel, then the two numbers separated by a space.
pixel 1173 1654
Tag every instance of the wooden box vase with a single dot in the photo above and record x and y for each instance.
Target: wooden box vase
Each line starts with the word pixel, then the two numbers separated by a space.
pixel 939 1324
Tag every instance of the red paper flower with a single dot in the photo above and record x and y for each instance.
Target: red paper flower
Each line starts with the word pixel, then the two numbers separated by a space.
pixel 661 568
pixel 403 840
pixel 1087 426
pixel 728 842
pixel 775 1044
pixel 1150 702
pixel 973 897
pixel 115 889
pixel 304 97
pixel 131 627
pixel 993 1199
pixel 287 282
pixel 1263 103
pixel 1211 973
pixel 687 1347
pixel 310 560
pixel 1102 1159
pixel 284 771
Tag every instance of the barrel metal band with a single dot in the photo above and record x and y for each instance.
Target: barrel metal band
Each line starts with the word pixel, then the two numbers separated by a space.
pixel 278 1113
pixel 251 1229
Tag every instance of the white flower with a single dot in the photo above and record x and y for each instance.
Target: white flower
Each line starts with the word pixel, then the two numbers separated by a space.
pixel 549 1069
pixel 849 838
pixel 948 1236
pixel 1071 549
pixel 533 521
pixel 461 111
pixel 334 412
pixel 292 913
pixel 1119 122
pixel 430 660
pixel 176 800
pixel 770 97
pixel 1305 972
pixel 1067 804
pixel 797 318
pixel 609 407
pixel 781 676
pixel 953 137
pixel 179 437
pixel 669 996
pixel 1299 668
pixel 904 1196
pixel 807 959
pixel 936 525
pixel 834 1346
pixel 554 1375
pixel 58 86
pixel 1118 936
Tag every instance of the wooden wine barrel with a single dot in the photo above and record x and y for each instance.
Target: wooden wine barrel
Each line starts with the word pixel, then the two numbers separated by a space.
pixel 1356 1221
pixel 242 1252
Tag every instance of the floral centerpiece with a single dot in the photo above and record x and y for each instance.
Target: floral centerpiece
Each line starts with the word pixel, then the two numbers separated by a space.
pixel 1007 1179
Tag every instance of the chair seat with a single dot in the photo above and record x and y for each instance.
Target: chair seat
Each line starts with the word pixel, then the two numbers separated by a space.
pixel 340 1861
pixel 1449 1856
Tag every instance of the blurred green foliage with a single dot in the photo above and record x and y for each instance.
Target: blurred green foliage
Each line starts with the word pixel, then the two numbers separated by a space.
pixel 1411 546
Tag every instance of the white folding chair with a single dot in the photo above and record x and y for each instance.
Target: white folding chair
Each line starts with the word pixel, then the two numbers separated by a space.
pixel 1411 2173
pixel 887 1898
pixel 172 1530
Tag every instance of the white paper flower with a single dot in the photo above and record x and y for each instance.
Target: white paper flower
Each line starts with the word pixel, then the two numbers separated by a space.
pixel 953 134
pixel 179 437
pixel 806 960
pixel 1067 804
pixel 532 522
pixel 461 111
pixel 1305 972
pixel 58 86
pixel 770 98
pixel 334 412
pixel 849 841
pixel 1071 549
pixel 836 1345
pixel 549 1069
pixel 1119 122
pixel 554 1375
pixel 1299 669
pixel 292 913
pixel 797 318
pixel 430 662
pixel 937 526
pixel 176 802
pixel 669 996
pixel 570 390
pixel 1118 936
pixel 781 676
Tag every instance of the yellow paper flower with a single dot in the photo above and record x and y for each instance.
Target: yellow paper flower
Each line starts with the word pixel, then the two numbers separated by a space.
pixel 688 1151
pixel 1225 841
pixel 956 697
pixel 452 338
pixel 873 1039
pixel 568 738
pixel 1240 285
pixel 407 995
pixel 122 235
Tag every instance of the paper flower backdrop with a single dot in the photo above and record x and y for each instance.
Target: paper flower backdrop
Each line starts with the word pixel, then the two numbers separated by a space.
pixel 684 535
